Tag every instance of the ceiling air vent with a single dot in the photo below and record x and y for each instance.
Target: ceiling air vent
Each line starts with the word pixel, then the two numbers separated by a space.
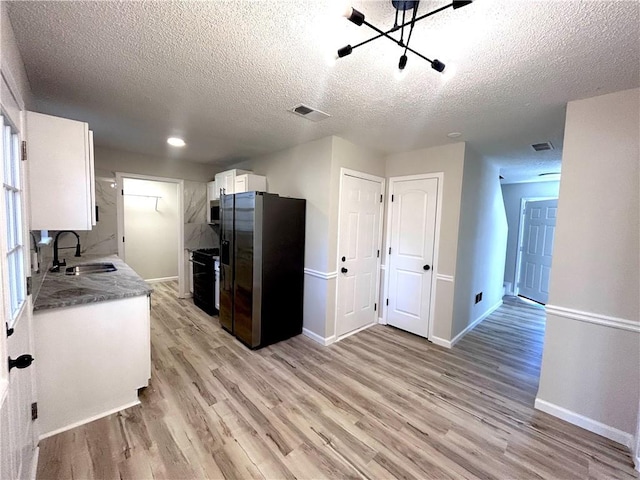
pixel 309 113
pixel 541 147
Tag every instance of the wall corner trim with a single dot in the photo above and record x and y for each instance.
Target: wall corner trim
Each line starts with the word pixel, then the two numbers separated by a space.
pixel 317 338
pixel 595 318
pixel 319 274
pixel 587 423
pixel 440 342
pixel 473 324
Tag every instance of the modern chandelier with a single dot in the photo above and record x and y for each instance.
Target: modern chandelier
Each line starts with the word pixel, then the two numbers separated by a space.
pixel 401 6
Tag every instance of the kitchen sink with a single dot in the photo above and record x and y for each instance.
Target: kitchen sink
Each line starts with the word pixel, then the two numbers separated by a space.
pixel 86 268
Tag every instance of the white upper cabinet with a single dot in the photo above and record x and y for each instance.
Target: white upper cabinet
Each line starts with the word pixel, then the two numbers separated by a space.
pixel 61 173
pixel 249 182
pixel 226 181
pixel 212 194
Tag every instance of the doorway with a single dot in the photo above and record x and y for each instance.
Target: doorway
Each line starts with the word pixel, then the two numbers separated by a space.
pixel 412 240
pixel 18 426
pixel 538 224
pixel 151 227
pixel 359 244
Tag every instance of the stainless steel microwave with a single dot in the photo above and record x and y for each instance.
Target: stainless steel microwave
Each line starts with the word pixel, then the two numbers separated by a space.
pixel 214 205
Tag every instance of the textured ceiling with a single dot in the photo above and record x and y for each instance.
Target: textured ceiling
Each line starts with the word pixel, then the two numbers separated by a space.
pixel 223 74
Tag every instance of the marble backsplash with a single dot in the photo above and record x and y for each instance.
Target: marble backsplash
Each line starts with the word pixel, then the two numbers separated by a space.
pixel 197 232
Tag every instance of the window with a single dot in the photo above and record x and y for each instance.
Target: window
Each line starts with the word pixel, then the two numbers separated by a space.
pixel 13 216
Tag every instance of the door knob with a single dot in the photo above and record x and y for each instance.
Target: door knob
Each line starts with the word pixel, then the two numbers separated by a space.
pixel 344 270
pixel 23 361
pixel 426 267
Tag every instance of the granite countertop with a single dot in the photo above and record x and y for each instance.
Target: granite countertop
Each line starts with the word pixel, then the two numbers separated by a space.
pixel 61 290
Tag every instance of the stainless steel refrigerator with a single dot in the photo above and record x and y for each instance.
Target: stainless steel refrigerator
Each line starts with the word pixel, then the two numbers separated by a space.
pixel 261 266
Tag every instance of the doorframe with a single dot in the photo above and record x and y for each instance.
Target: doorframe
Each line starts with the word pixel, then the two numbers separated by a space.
pixel 13 107
pixel 523 204
pixel 344 172
pixel 182 292
pixel 436 242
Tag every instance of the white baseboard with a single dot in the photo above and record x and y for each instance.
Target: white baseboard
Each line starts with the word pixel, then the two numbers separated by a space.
pixel 162 279
pixel 381 321
pixel 587 423
pixel 440 341
pixel 317 338
pixel 88 419
pixel 473 324
pixel 353 332
pixel 450 343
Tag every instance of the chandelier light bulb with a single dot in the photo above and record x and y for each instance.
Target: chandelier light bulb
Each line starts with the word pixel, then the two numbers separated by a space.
pixel 401 6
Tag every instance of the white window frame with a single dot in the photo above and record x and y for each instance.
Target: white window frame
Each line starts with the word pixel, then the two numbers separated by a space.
pixel 12 245
pixel 13 241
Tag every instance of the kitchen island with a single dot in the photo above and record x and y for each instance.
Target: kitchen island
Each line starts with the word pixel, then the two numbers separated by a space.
pixel 92 344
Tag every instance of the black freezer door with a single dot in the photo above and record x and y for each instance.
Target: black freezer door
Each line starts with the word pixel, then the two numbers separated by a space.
pixel 226 261
pixel 269 268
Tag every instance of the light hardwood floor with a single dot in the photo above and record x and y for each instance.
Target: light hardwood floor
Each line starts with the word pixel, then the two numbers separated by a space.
pixel 379 404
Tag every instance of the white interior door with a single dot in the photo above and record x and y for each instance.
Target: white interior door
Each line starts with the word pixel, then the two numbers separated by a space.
pixel 358 252
pixel 412 223
pixel 537 248
pixel 17 429
pixel 17 386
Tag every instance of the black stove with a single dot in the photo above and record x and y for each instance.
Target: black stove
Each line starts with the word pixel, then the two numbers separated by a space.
pixel 211 252
pixel 204 284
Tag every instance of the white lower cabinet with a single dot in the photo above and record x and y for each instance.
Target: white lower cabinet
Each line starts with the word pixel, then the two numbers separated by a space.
pixel 91 360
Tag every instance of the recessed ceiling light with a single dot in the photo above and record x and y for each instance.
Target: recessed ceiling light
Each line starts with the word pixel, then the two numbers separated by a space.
pixel 454 134
pixel 176 142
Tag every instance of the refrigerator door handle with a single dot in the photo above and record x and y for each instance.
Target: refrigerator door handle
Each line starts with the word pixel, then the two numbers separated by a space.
pixel 224 252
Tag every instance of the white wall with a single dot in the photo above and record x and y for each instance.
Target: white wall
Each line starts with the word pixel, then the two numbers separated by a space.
pixel 513 194
pixel 448 159
pixel 151 231
pixel 120 161
pixel 591 360
pixel 305 172
pixel 10 59
pixel 481 245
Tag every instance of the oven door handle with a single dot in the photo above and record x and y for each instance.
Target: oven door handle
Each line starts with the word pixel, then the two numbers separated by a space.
pixel 197 263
